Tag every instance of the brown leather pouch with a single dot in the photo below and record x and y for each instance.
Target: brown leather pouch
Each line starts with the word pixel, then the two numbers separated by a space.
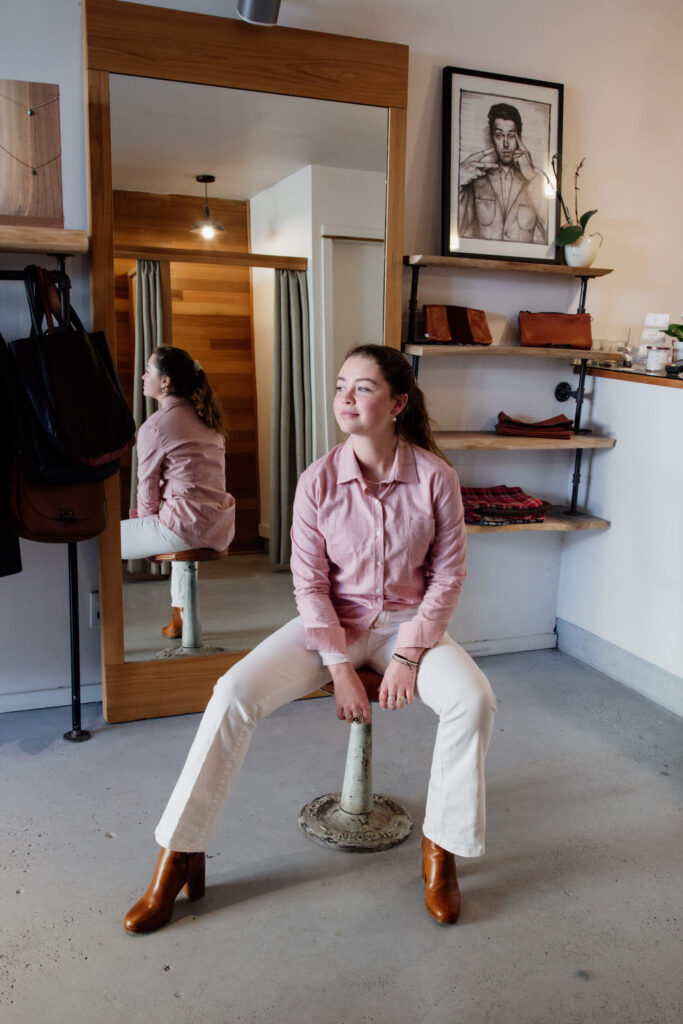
pixel 555 330
pixel 456 325
pixel 56 513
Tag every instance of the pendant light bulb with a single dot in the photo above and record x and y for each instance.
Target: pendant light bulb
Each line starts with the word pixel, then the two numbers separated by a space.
pixel 206 227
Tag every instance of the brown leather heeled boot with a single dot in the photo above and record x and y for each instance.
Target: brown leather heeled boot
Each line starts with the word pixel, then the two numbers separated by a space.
pixel 174 630
pixel 174 871
pixel 442 895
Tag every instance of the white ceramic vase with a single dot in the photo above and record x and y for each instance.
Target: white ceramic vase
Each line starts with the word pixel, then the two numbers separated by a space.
pixel 582 252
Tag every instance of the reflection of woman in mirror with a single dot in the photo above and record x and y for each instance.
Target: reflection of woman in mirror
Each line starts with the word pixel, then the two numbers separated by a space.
pixel 378 560
pixel 182 501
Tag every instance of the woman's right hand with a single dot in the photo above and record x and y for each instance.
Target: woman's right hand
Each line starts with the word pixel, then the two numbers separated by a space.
pixel 349 694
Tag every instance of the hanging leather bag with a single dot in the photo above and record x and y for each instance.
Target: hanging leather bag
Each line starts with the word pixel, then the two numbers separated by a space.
pixel 42 461
pixel 55 514
pixel 70 377
pixel 555 330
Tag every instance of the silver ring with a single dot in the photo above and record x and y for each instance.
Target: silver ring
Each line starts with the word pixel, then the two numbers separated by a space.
pixel 391 697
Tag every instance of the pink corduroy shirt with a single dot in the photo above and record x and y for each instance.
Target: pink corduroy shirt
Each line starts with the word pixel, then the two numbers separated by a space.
pixel 359 550
pixel 181 476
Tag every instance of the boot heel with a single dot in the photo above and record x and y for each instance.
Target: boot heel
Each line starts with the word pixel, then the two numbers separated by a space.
pixel 195 886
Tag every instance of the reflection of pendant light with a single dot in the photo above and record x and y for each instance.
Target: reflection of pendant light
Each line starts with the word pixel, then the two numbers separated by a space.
pixel 259 12
pixel 206 227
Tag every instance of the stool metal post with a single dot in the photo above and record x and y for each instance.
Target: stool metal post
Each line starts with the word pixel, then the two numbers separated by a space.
pixel 356 795
pixel 192 627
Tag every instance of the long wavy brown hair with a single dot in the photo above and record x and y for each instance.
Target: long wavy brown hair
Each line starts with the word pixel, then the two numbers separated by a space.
pixel 413 423
pixel 189 381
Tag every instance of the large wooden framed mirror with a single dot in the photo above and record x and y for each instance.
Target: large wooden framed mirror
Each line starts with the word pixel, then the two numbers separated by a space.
pixel 125 39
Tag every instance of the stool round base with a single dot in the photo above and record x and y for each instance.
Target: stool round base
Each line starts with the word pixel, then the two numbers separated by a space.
pixel 324 821
pixel 187 652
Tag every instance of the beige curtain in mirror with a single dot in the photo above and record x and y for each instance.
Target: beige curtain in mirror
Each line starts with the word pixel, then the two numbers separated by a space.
pixel 291 418
pixel 149 335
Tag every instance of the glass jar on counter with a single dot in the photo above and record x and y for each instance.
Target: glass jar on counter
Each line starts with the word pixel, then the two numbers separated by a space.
pixel 657 358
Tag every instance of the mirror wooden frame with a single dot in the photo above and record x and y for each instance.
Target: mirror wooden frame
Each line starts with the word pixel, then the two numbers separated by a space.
pixel 152 42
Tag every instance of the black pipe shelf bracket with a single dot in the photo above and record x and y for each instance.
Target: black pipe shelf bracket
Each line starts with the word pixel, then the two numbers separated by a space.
pixel 76 734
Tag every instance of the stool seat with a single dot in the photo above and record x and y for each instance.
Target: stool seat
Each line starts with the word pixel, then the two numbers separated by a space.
pixel 191 555
pixel 357 820
pixel 192 642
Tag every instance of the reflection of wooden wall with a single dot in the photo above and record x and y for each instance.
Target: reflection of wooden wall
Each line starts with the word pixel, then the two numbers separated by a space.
pixel 211 308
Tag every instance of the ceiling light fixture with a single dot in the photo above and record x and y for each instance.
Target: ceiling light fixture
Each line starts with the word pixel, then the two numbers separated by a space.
pixel 259 12
pixel 206 227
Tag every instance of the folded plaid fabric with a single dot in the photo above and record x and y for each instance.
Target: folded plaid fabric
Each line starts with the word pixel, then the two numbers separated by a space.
pixel 555 427
pixel 500 497
pixel 495 506
pixel 489 520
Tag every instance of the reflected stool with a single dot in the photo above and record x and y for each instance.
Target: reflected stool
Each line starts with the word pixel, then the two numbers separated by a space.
pixel 356 820
pixel 192 641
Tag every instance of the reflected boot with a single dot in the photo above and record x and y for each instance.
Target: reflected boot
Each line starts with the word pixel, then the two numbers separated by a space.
pixel 174 630
pixel 174 871
pixel 442 895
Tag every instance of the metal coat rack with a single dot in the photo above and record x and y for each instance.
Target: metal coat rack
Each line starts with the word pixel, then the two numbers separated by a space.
pixel 75 734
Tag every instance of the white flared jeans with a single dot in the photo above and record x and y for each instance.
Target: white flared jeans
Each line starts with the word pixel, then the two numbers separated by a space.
pixel 146 536
pixel 279 670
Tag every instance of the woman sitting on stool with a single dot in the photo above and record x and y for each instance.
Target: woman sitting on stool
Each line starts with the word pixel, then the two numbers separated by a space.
pixel 378 560
pixel 182 500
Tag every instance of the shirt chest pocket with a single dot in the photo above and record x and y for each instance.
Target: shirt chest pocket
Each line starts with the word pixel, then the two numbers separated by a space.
pixel 419 540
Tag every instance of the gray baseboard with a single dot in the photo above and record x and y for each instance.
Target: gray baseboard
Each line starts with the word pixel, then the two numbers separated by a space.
pixel 657 684
pixel 59 696
pixel 509 644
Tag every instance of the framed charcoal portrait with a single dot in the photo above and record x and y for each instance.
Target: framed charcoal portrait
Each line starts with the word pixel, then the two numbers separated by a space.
pixel 499 137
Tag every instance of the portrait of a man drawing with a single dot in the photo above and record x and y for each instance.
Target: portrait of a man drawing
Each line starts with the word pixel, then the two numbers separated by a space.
pixel 499 145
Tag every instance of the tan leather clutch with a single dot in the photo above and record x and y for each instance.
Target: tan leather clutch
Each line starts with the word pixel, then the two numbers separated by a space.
pixel 555 330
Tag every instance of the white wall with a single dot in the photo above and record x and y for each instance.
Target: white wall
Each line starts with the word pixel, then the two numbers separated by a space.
pixel 280 225
pixel 628 589
pixel 620 64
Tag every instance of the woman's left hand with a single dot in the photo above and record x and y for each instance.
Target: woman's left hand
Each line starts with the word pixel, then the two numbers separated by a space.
pixel 398 684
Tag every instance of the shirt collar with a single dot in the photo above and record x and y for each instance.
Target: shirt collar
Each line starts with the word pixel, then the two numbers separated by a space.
pixel 172 400
pixel 403 470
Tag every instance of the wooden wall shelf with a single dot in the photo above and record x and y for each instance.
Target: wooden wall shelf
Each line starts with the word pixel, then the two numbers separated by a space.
pixel 517 266
pixel 556 521
pixel 469 440
pixel 43 240
pixel 414 349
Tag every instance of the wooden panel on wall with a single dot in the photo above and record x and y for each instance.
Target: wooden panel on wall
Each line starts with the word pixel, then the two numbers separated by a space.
pixel 31 155
pixel 212 320
pixel 148 219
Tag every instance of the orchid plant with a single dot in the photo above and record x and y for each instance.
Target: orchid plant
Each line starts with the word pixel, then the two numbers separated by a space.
pixel 575 226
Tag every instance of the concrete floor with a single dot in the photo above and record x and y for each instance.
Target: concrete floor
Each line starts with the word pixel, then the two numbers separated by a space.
pixel 573 915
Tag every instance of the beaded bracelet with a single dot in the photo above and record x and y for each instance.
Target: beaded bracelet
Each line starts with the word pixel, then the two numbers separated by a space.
pixel 414 665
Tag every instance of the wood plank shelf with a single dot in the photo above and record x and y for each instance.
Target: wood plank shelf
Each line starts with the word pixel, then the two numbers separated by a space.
pixel 556 521
pixel 469 440
pixel 62 241
pixel 412 349
pixel 517 266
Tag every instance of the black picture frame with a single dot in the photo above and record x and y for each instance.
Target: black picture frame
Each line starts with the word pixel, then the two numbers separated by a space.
pixel 498 206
